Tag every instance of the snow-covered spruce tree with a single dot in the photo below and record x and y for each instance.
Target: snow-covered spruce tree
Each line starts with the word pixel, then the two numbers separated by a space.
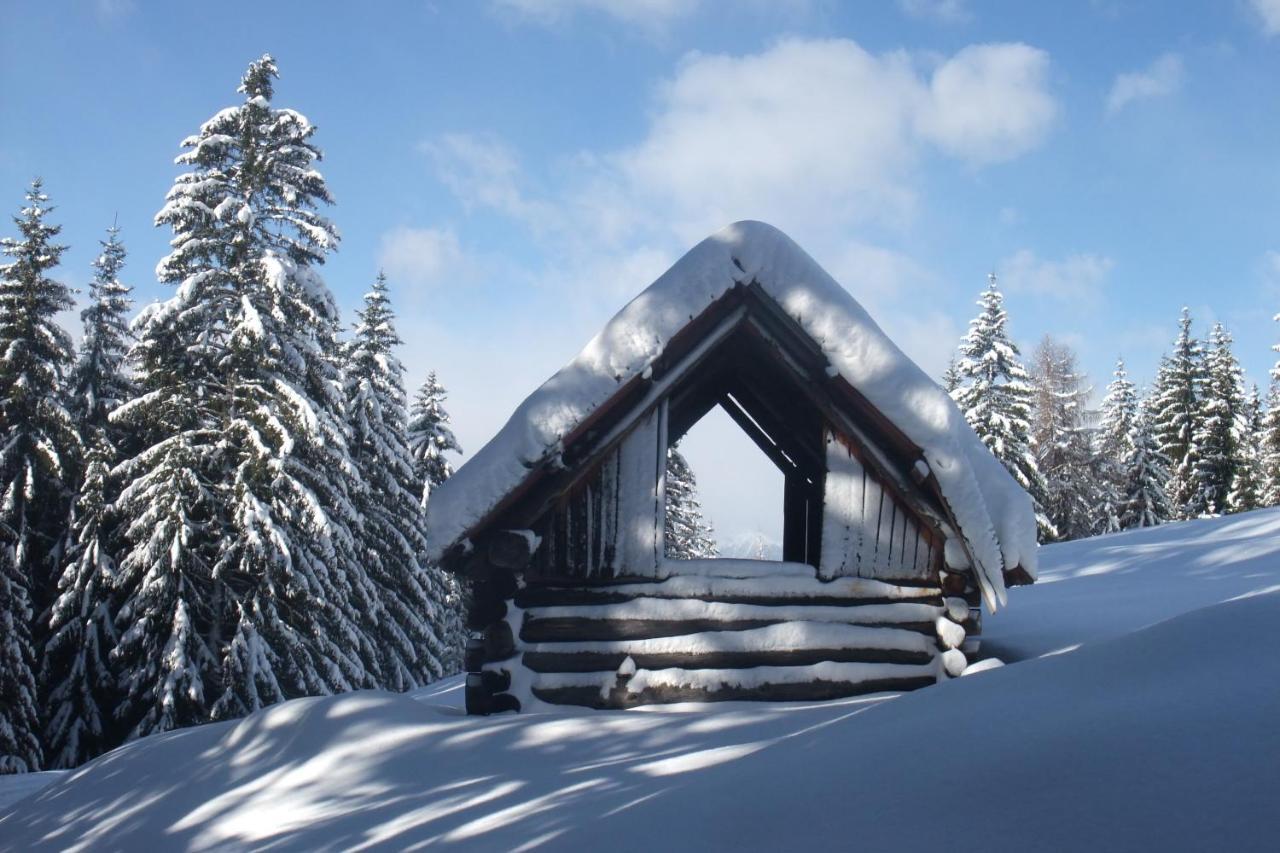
pixel 1269 449
pixel 688 535
pixel 243 582
pixel 1175 409
pixel 995 396
pixel 1061 440
pixel 409 624
pixel 1119 413
pixel 1146 472
pixel 430 436
pixel 1216 436
pixel 36 456
pixel 1246 489
pixel 951 376
pixel 78 680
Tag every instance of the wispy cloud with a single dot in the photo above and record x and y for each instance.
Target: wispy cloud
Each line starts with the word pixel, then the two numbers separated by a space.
pixel 1077 277
pixel 420 258
pixel 942 11
pixel 1162 77
pixel 112 10
pixel 1267 13
pixel 645 13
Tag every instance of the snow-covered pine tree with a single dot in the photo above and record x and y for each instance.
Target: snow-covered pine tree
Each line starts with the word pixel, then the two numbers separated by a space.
pixel 1269 450
pixel 1246 489
pixel 995 396
pixel 951 376
pixel 1146 472
pixel 78 680
pixel 36 457
pixel 1216 435
pixel 410 622
pixel 1061 440
pixel 243 583
pixel 430 436
pixel 99 382
pixel 1175 410
pixel 688 535
pixel 20 749
pixel 1115 430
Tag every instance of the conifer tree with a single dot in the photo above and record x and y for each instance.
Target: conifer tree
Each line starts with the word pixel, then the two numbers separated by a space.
pixel 1246 489
pixel 951 376
pixel 1216 435
pixel 1061 440
pixel 995 396
pixel 1269 444
pixel 1115 443
pixel 688 535
pixel 1175 403
pixel 243 584
pixel 410 621
pixel 430 436
pixel 78 678
pixel 1146 472
pixel 36 457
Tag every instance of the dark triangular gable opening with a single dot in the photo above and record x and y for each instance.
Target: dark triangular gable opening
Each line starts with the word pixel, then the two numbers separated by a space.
pixel 597 504
pixel 742 377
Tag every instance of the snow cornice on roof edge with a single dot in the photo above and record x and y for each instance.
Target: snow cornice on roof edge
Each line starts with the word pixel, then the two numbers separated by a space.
pixel 993 513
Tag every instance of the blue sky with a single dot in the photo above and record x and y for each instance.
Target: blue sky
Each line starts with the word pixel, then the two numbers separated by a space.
pixel 521 168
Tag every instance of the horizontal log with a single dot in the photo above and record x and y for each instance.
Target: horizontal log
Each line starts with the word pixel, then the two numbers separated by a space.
pixel 571 629
pixel 534 596
pixel 811 691
pixel 499 644
pixel 954 583
pixel 546 661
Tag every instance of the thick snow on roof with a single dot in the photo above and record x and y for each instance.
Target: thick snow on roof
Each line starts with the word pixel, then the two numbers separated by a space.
pixel 994 514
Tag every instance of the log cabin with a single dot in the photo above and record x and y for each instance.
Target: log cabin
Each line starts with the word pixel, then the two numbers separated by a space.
pixel 899 526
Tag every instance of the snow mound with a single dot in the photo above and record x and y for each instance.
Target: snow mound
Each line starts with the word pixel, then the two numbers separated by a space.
pixel 994 514
pixel 1155 731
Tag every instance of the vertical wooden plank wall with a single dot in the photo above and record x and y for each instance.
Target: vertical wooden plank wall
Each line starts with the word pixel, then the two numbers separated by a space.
pixel 865 531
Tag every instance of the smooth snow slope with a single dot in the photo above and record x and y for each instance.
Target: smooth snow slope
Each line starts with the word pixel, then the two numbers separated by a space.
pixel 1158 733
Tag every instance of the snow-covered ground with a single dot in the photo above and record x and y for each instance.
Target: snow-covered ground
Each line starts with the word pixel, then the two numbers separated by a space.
pixel 1141 715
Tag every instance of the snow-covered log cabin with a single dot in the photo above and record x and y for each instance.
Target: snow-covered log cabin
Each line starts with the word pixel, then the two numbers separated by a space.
pixel 898 524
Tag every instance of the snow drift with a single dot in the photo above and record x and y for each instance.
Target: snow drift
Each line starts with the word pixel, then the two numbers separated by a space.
pixel 994 514
pixel 1142 717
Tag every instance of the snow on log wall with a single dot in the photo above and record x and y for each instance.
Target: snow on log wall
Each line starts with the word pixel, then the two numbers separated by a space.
pixel 866 532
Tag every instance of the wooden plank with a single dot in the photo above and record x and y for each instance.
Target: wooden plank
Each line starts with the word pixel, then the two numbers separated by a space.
pixel 549 661
pixel 579 629
pixel 814 691
pixel 533 596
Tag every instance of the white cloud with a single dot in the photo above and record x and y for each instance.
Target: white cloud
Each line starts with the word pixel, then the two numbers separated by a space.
pixel 1077 277
pixel 990 103
pixel 1162 77
pixel 943 11
pixel 1268 14
pixel 482 171
pixel 647 13
pixel 824 128
pixel 420 258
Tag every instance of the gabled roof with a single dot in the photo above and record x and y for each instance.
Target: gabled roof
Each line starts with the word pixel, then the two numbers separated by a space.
pixel 991 511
